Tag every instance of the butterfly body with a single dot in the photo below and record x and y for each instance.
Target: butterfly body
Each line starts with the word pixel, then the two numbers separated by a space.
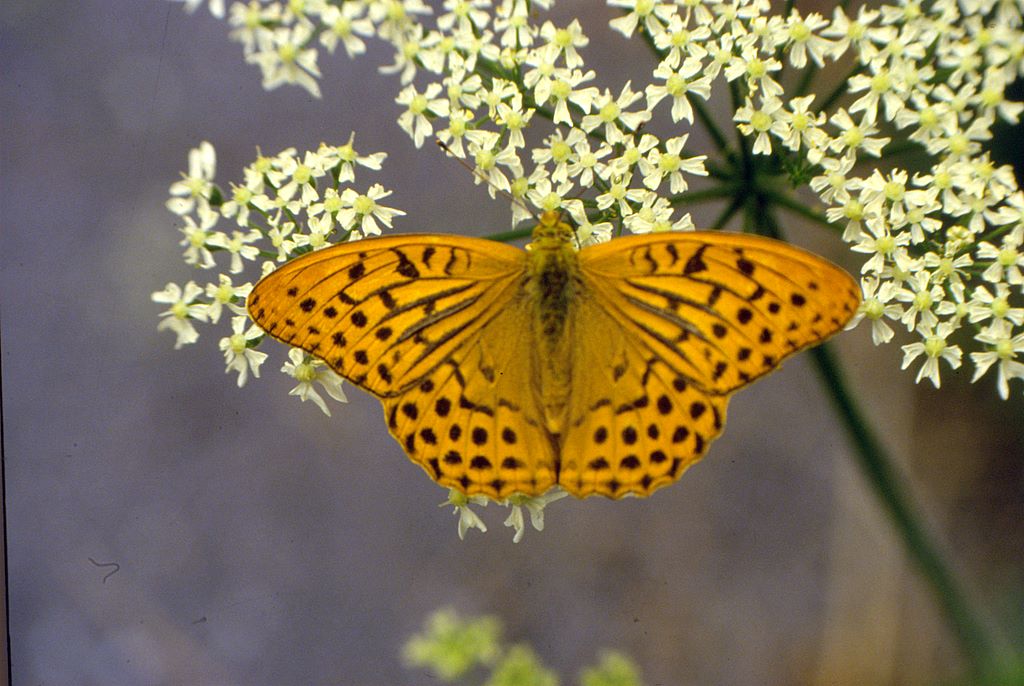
pixel 605 370
pixel 553 286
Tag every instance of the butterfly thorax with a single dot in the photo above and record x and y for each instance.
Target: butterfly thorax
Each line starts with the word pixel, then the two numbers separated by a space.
pixel 553 288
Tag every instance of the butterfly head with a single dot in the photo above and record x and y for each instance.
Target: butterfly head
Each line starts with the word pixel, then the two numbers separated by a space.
pixel 551 233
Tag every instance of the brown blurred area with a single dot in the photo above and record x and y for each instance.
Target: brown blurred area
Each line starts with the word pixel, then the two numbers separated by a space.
pixel 260 542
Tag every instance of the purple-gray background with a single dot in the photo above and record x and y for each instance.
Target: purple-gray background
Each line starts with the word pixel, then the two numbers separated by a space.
pixel 260 542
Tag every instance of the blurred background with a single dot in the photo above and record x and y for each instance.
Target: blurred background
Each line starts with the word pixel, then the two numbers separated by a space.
pixel 260 542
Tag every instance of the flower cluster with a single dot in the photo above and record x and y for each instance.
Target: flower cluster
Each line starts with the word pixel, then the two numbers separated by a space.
pixel 510 92
pixel 453 648
pixel 286 205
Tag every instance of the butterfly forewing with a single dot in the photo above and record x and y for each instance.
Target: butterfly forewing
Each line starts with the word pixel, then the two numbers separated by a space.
pixel 720 309
pixel 385 312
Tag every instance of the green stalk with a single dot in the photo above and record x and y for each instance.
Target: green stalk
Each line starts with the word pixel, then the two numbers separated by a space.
pixel 877 465
pixel 795 206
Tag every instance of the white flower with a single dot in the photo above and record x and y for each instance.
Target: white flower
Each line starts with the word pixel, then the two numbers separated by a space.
pixel 1007 262
pixel 226 294
pixel 238 206
pixel 835 185
pixel 216 7
pixel 658 165
pixel 535 505
pixel 547 197
pixel 620 195
pixel 565 91
pixel 182 311
pixel 592 234
pixel 876 306
pixel 346 24
pixel 986 305
pixel 240 357
pixel 281 238
pixel 361 211
pixel 934 348
pixel 489 160
pixel 307 370
pixel 345 158
pixel 679 42
pixel 803 41
pixel 514 25
pixel 651 14
pixel 802 127
pixel 585 163
pixel 760 122
pixel 464 16
pixel 559 151
pixel 420 107
pixel 198 237
pixel 514 119
pixel 1003 349
pixel 854 31
pixel 611 113
pixel 655 216
pixel 239 246
pixel 198 183
pixel 679 83
pixel 283 58
pixel 565 41
pixel 854 136
pixel 756 70
pixel 293 176
pixel 923 296
pixel 467 518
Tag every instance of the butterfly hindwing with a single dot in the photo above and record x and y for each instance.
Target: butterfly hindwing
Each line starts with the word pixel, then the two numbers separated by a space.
pixel 473 423
pixel 635 424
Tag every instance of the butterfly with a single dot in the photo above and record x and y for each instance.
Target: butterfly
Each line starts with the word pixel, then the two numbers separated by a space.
pixel 605 370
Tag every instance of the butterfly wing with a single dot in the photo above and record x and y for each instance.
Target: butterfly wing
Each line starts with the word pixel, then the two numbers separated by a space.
pixel 635 423
pixel 692 317
pixel 474 422
pixel 721 309
pixel 434 326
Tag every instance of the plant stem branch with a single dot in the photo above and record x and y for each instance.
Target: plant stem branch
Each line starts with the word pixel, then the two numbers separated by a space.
pixel 878 467
pixel 924 553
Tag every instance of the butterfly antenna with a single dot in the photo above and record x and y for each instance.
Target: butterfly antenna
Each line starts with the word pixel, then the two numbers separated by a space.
pixel 480 175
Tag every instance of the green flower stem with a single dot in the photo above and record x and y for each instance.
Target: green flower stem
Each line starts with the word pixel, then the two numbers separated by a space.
pixel 840 88
pixel 877 466
pixel 797 207
pixel 717 137
pixel 728 212
pixel 901 146
pixel 805 80
pixel 728 190
pixel 509 236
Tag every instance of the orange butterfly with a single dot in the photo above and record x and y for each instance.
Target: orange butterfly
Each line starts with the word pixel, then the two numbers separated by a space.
pixel 605 370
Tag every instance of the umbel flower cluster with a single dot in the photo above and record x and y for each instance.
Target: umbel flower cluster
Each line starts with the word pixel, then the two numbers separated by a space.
pixel 510 92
